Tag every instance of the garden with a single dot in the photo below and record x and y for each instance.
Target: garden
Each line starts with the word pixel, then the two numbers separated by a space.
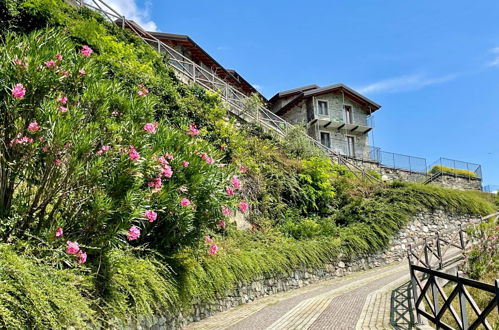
pixel 119 184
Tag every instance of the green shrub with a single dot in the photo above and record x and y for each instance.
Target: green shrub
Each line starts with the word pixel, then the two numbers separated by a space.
pixel 62 177
pixel 449 170
pixel 41 297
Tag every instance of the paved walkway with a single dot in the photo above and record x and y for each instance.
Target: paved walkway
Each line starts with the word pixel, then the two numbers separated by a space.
pixel 372 299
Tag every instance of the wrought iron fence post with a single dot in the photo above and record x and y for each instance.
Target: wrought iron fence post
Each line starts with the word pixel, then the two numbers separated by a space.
pixel 462 303
pixel 426 258
pixel 461 237
pixel 439 253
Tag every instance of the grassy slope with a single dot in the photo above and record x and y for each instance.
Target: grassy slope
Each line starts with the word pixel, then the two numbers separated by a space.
pixel 136 283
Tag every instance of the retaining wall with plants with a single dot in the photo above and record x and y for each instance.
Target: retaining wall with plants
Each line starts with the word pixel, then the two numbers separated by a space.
pixel 423 225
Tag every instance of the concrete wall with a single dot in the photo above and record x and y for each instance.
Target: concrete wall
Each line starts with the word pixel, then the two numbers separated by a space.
pixel 422 225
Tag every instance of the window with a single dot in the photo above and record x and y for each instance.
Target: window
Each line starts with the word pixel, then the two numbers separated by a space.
pixel 326 139
pixel 322 108
pixel 348 114
pixel 351 146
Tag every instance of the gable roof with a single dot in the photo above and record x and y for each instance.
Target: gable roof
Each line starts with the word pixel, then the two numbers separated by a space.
pixel 198 54
pixel 306 92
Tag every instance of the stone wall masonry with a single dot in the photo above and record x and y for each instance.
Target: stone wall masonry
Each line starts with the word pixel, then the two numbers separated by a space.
pixel 457 182
pixel 397 174
pixel 422 225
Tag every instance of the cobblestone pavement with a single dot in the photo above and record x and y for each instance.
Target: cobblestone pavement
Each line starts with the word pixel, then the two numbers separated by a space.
pixel 359 301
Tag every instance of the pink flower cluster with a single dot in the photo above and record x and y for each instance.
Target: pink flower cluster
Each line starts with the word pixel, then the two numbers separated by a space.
pixel 150 215
pixel 133 154
pixel 193 130
pixel 213 248
pixel 185 202
pixel 21 140
pixel 18 91
pixel 150 127
pixel 86 51
pixel 51 64
pixel 133 233
pixel 142 91
pixel 20 63
pixel 62 102
pixel 33 127
pixel 74 248
pixel 207 158
pixel 103 149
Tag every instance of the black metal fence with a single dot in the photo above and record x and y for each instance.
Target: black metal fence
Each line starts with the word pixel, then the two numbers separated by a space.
pixel 398 161
pixel 491 188
pixel 456 167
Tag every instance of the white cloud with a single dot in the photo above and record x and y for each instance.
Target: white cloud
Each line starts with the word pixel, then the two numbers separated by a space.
pixel 404 83
pixel 257 87
pixel 495 61
pixel 132 11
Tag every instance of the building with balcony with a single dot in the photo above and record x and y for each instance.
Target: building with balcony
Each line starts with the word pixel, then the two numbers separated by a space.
pixel 336 115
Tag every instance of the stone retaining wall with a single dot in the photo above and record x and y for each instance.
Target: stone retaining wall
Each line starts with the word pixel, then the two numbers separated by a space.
pixel 422 225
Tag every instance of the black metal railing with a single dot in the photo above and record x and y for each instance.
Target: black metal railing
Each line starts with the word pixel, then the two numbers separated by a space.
pixel 399 161
pixel 426 262
pixel 491 188
pixel 456 168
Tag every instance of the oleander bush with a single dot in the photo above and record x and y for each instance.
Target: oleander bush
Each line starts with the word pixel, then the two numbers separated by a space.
pixel 104 147
pixel 450 170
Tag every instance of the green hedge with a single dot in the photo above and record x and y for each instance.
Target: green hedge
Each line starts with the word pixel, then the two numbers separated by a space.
pixel 450 170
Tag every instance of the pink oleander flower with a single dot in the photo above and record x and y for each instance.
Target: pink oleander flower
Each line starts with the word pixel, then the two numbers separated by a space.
pixel 142 91
pixel 134 155
pixel 213 249
pixel 167 171
pixel 18 61
pixel 193 130
pixel 58 57
pixel 133 233
pixel 235 182
pixel 222 223
pixel 243 206
pixel 18 91
pixel 150 128
pixel 65 73
pixel 21 140
pixel 73 247
pixel 207 239
pixel 82 257
pixel 185 163
pixel 226 210
pixel 183 189
pixel 185 202
pixel 45 149
pixel 150 215
pixel 51 64
pixel 156 183
pixel 57 162
pixel 82 72
pixel 33 126
pixel 229 191
pixel 207 158
pixel 103 149
pixel 62 100
pixel 169 156
pixel 242 169
pixel 86 51
pixel 63 109
pixel 59 232
pixel 162 160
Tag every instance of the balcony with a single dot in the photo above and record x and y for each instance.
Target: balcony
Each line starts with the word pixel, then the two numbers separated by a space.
pixel 361 126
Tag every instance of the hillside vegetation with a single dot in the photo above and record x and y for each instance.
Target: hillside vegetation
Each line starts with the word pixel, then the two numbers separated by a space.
pixel 118 182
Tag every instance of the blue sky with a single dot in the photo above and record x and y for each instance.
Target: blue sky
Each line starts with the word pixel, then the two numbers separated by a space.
pixel 432 65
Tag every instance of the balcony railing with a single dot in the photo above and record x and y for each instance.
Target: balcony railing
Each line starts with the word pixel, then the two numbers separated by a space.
pixel 330 121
